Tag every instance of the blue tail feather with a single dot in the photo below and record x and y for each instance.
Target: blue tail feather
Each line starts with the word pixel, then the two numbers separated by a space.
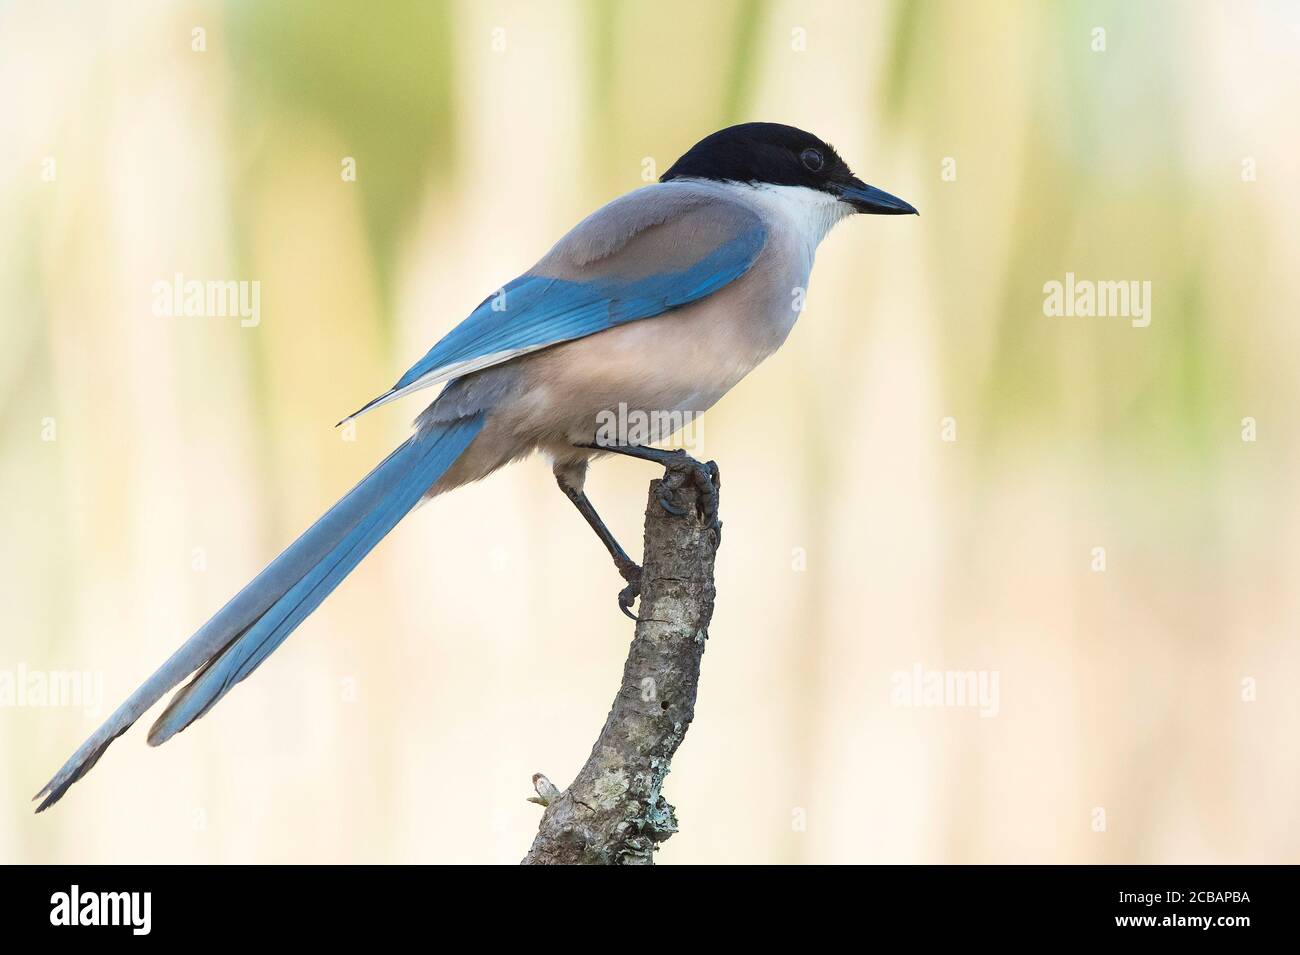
pixel 428 460
pixel 261 616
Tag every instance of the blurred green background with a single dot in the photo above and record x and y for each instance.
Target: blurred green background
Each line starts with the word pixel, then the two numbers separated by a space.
pixel 151 465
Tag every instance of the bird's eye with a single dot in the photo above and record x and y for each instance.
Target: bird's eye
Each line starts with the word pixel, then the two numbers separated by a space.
pixel 812 159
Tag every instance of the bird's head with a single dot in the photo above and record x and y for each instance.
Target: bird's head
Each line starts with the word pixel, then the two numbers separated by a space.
pixel 773 154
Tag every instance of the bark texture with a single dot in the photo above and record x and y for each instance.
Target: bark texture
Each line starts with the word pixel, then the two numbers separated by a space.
pixel 614 812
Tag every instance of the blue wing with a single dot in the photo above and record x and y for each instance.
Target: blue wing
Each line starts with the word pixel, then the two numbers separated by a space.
pixel 651 251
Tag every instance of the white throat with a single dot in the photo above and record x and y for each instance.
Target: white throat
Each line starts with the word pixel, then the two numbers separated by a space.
pixel 810 213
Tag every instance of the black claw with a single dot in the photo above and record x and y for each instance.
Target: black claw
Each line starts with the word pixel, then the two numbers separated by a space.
pixel 670 507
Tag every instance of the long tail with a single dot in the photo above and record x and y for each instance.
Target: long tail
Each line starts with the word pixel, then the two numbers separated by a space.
pixel 258 619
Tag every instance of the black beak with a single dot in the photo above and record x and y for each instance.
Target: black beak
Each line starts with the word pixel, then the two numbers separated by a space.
pixel 873 201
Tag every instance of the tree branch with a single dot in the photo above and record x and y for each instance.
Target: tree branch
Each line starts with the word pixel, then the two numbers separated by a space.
pixel 614 812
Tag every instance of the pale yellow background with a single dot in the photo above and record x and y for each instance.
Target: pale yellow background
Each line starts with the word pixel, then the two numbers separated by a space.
pixel 481 641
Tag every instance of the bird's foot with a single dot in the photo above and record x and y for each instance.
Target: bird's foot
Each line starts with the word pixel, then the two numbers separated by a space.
pixel 680 469
pixel 627 596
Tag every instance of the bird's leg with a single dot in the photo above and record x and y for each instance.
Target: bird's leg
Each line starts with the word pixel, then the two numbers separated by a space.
pixel 628 569
pixel 679 467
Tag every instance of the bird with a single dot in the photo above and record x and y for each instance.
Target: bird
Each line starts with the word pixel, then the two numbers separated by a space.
pixel 660 302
